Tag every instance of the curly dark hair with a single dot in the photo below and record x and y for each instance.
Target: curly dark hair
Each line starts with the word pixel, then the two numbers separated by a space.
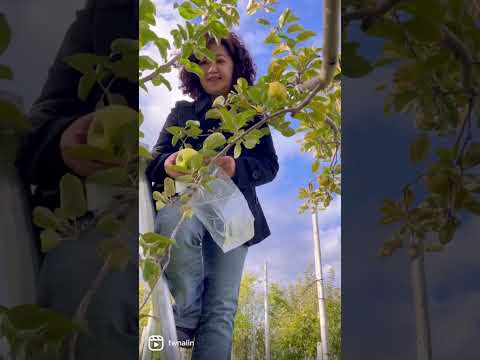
pixel 243 66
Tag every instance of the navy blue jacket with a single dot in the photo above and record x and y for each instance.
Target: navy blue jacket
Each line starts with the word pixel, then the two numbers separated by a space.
pixel 254 167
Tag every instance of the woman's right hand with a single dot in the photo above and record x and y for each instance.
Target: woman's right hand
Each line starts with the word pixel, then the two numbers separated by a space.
pixel 171 160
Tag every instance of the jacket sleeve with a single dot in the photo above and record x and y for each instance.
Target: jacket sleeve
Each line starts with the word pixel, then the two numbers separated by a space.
pixel 257 166
pixel 162 150
pixel 39 159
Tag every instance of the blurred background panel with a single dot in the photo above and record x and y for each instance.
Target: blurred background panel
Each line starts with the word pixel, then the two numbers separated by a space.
pixel 405 101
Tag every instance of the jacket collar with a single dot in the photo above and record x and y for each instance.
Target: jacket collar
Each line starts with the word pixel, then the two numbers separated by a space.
pixel 202 103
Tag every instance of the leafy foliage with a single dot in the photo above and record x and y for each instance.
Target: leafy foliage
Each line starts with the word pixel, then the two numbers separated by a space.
pixel 436 79
pixel 293 318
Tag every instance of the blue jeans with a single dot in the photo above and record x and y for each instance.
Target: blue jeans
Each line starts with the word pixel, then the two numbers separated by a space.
pixel 204 282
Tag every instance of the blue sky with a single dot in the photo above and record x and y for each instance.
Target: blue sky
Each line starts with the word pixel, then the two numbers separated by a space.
pixel 289 250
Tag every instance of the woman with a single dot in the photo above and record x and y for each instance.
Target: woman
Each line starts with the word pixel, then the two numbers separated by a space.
pixel 203 280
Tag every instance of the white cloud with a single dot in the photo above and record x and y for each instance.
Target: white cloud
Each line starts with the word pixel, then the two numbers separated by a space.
pixel 289 249
pixel 286 147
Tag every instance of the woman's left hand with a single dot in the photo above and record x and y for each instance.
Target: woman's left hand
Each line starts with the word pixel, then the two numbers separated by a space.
pixel 227 163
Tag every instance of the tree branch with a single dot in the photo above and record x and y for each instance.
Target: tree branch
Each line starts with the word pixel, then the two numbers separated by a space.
pixel 293 110
pixel 162 268
pixel 84 304
pixel 463 53
pixel 331 44
pixel 368 16
pixel 160 69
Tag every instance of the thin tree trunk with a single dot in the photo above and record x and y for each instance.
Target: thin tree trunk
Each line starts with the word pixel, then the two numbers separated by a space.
pixel 419 286
pixel 267 332
pixel 322 313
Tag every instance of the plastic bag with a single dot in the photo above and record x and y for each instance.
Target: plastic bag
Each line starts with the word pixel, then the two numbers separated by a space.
pixel 223 211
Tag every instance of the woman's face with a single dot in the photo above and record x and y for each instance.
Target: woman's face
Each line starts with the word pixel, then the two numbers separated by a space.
pixel 217 79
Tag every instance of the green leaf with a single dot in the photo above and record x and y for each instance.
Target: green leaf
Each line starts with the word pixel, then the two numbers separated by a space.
pixel 183 32
pixel 49 239
pixel 281 48
pixel 305 35
pixel 408 196
pixel 109 225
pixel 187 50
pixel 243 117
pixel 354 65
pixel 5 73
pixel 84 62
pixel 193 132
pixel 237 151
pixel 472 156
pixel 214 141
pixel 72 196
pixel 263 22
pixel 152 238
pixel 447 232
pixel 437 183
pixel 419 149
pixel 112 176
pixel 192 123
pixel 5 34
pixel 473 206
pixel 386 28
pixel 283 17
pixel 196 161
pixel 175 130
pixel 12 117
pixel 219 101
pixel 85 84
pixel 146 63
pixel 272 38
pixel 45 218
pixel 169 187
pixel 219 29
pixel 125 46
pixel 213 114
pixel 295 28
pixel 423 29
pixel 192 67
pixel 89 152
pixel 176 168
pixel 228 119
pixel 158 196
pixel 287 131
pixel 150 272
pixel 143 152
pixel 185 178
pixel 188 12
pixel 242 85
pixel 392 212
pixel 163 46
pixel 147 11
pixel 159 79
pixel 252 7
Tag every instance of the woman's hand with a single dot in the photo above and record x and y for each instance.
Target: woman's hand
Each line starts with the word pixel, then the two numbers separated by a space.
pixel 227 163
pixel 76 134
pixel 171 160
